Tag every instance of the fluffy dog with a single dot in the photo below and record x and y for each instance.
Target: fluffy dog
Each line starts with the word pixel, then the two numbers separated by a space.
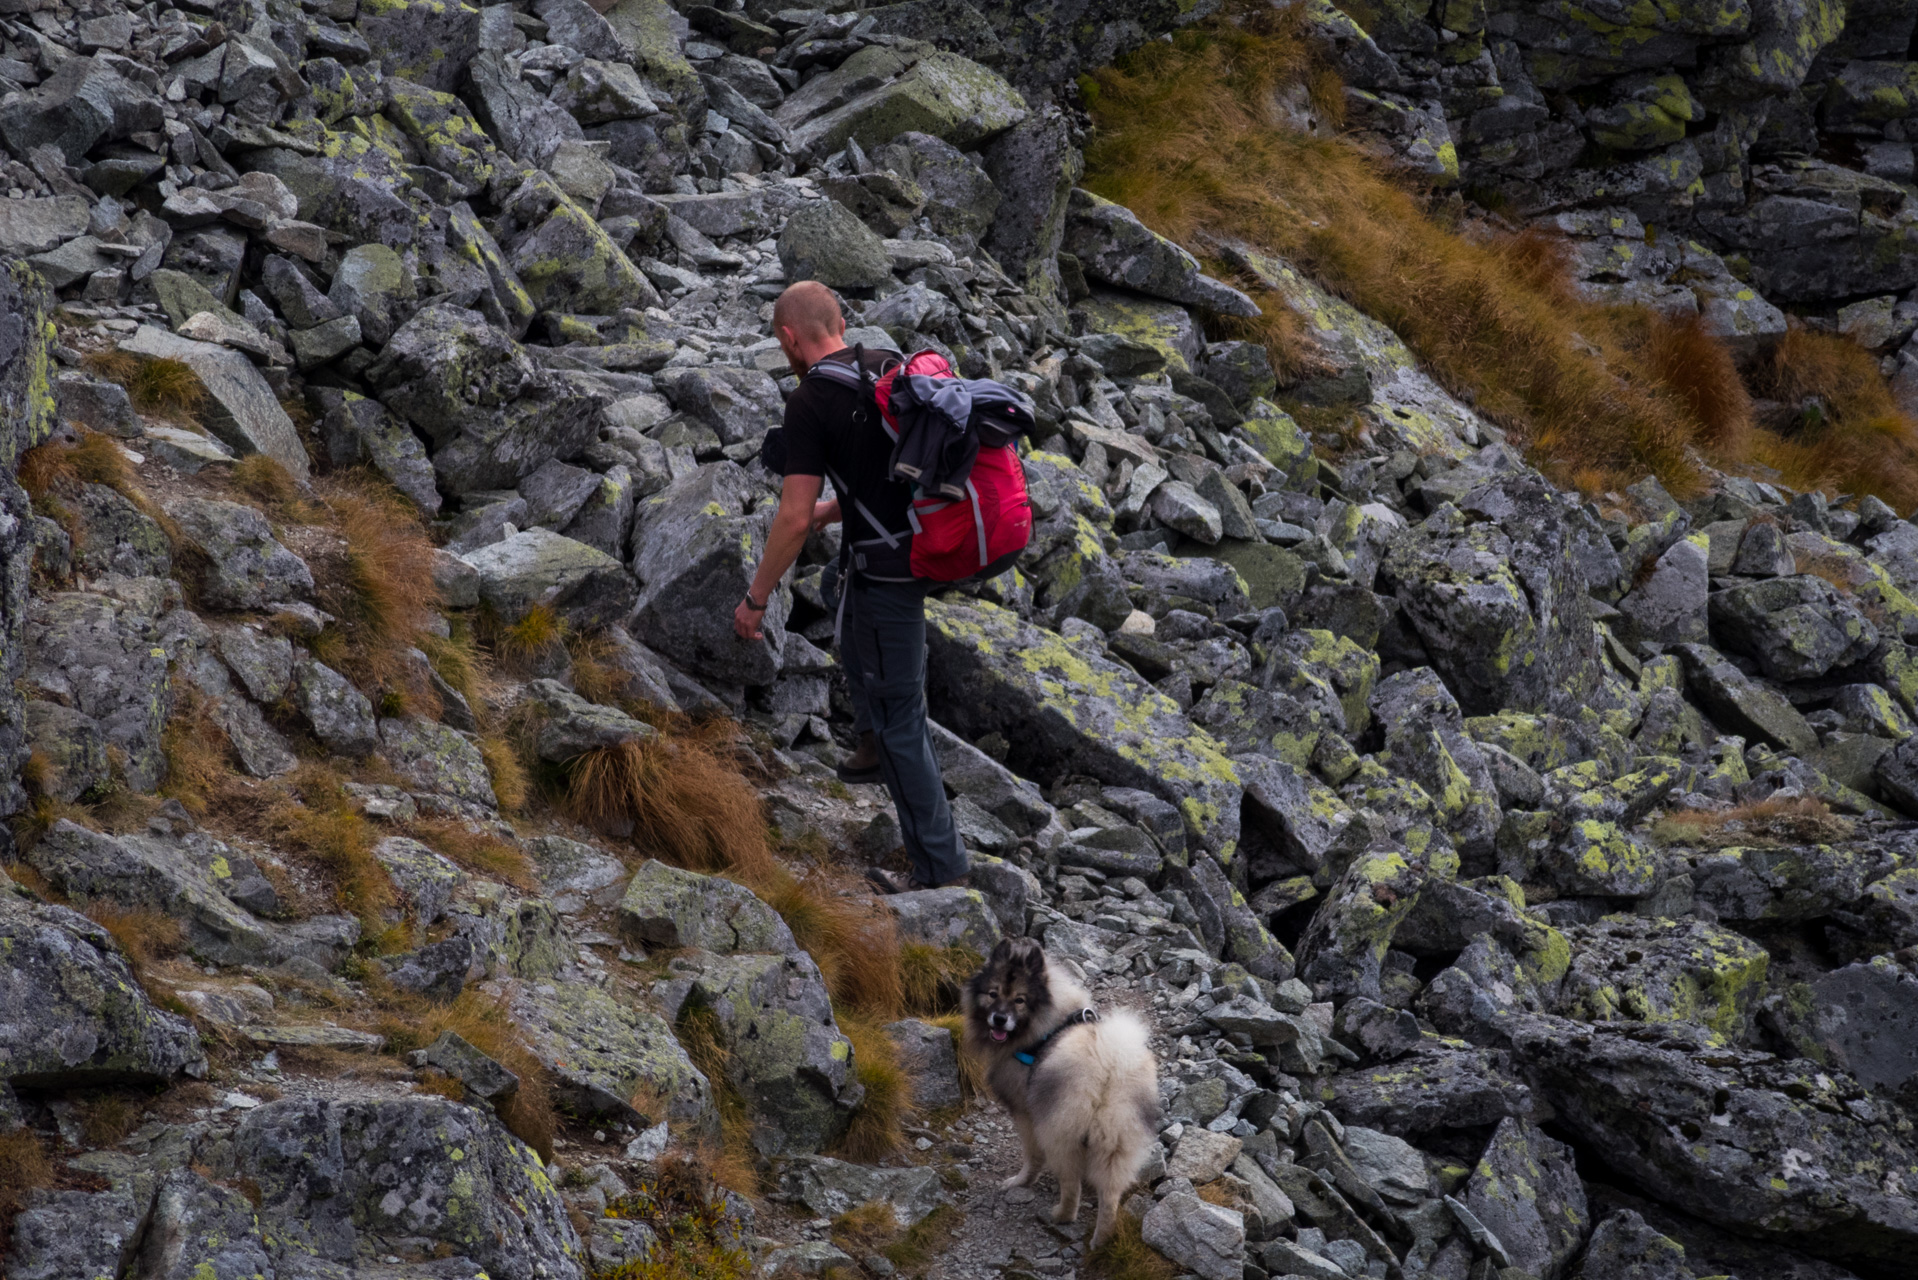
pixel 1083 1092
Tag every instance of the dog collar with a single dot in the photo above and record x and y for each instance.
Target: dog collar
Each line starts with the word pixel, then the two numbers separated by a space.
pixel 1030 1057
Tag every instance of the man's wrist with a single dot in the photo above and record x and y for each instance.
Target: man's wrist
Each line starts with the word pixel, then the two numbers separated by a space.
pixel 755 605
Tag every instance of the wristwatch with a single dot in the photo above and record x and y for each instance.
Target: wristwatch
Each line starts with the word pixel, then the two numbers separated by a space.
pixel 755 605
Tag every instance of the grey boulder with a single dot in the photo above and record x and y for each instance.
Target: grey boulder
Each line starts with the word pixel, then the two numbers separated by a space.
pixel 666 907
pixel 1798 627
pixel 827 242
pixel 739 404
pixel 245 566
pixel 1527 1193
pixel 75 1015
pixel 240 407
pixel 1197 1235
pixel 694 549
pixel 537 567
pixel 1065 709
pixel 101 658
pixel 785 1054
pixel 340 716
pixel 1114 247
pixel 831 1187
pixel 353 1181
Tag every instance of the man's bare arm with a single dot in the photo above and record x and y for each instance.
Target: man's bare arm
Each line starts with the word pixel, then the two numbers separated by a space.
pixel 798 508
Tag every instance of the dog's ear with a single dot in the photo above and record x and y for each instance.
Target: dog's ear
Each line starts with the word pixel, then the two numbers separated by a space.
pixel 1001 953
pixel 1034 960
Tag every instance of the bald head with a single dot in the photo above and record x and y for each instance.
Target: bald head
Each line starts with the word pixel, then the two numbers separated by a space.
pixel 808 323
pixel 810 311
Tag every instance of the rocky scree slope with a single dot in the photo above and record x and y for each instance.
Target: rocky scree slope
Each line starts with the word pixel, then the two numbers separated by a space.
pixel 1522 886
pixel 1723 161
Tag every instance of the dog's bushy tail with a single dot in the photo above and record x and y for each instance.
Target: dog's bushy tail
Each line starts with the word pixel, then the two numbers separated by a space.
pixel 1111 1109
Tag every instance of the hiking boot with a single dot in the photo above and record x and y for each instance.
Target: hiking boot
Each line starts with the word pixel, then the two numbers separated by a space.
pixel 899 882
pixel 863 764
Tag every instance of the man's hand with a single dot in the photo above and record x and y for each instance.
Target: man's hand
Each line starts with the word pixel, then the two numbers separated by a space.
pixel 746 620
pixel 825 513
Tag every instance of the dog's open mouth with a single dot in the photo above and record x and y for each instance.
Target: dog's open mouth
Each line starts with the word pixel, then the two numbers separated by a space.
pixel 998 1034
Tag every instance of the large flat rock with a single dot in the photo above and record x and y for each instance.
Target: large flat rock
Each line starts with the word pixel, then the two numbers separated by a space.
pixel 1068 709
pixel 240 407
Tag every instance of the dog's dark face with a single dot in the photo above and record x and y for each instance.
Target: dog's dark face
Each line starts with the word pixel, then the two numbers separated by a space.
pixel 1010 991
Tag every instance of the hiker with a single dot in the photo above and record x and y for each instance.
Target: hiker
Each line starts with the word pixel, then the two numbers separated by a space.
pixel 833 427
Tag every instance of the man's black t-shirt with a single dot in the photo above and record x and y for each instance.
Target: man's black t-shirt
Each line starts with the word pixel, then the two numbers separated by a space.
pixel 832 429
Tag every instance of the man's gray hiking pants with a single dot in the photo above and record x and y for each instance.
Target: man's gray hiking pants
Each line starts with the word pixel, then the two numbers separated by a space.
pixel 882 641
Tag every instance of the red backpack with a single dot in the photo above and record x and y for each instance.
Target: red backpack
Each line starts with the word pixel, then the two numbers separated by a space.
pixel 970 516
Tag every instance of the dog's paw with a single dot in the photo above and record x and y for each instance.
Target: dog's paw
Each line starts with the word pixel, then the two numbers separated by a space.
pixel 1062 1214
pixel 1023 1178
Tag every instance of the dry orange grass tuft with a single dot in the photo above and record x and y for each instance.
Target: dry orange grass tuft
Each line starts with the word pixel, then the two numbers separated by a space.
pixel 24 1168
pixel 933 975
pixel 733 1164
pixel 199 762
pixel 511 787
pixel 476 850
pixel 1798 820
pixel 319 821
pixel 1845 431
pixel 1126 1256
pixel 92 457
pixel 382 590
pixel 519 645
pixel 874 1131
pixel 167 388
pixel 144 937
pixel 848 934
pixel 685 804
pixel 271 485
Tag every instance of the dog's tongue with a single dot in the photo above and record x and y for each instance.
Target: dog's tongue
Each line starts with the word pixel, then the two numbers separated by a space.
pixel 998 1035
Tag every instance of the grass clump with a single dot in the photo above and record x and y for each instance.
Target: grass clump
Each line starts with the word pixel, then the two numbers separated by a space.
pixel 380 588
pixel 409 1022
pixel 521 645
pixel 1785 821
pixel 1126 1256
pixel 108 1116
pixel 162 387
pixel 511 786
pixel 875 1128
pixel 931 976
pixel 850 938
pixel 476 849
pixel 699 1238
pixel 144 937
pixel 684 803
pixel 1835 424
pixel 270 484
pixel 317 818
pixel 199 757
pixel 700 1035
pixel 24 1169
pixel 872 1228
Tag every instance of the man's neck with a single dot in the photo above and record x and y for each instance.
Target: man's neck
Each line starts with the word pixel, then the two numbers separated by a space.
pixel 812 353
